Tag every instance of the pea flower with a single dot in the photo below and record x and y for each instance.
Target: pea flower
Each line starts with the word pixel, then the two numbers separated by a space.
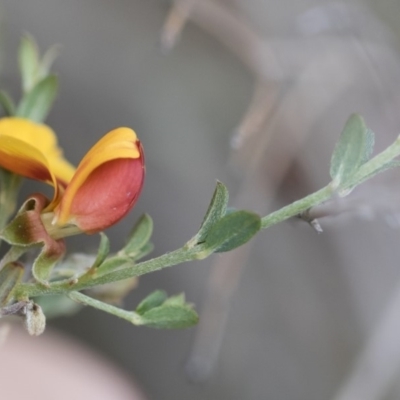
pixel 96 195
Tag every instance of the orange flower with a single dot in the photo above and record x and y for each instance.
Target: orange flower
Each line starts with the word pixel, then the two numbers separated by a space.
pixel 101 191
pixel 106 184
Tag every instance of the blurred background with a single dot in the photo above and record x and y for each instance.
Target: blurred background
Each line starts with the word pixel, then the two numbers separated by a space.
pixel 253 93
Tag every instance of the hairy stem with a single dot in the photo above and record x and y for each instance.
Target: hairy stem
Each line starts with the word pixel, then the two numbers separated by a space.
pixel 297 207
pixel 130 316
pixel 166 260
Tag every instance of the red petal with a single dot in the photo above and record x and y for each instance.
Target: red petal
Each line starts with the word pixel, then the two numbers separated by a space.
pixel 108 194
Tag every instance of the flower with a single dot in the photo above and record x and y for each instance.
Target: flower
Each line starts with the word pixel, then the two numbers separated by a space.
pixel 106 184
pixel 96 195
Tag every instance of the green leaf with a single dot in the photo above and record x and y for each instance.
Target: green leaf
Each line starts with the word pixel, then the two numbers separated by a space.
pixel 353 149
pixel 47 61
pixel 143 252
pixel 111 264
pixel 36 104
pixel 369 145
pixel 170 317
pixel 104 249
pixel 7 103
pixel 215 211
pixel 139 236
pixel 154 299
pixel 158 311
pixel 177 300
pixel 28 60
pixel 10 276
pixel 233 230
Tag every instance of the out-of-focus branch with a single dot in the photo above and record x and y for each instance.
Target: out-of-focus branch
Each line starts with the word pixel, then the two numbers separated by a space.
pixel 379 362
pixel 220 22
pixel 175 22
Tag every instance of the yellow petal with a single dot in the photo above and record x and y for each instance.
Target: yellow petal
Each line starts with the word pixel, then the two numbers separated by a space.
pixel 62 169
pixel 42 138
pixel 23 159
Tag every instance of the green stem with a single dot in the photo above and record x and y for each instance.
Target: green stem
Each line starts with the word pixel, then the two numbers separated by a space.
pixel 297 207
pixel 166 260
pixel 375 164
pixel 130 316
pixel 13 254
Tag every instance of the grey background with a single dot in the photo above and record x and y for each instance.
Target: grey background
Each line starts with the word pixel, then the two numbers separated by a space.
pixel 306 304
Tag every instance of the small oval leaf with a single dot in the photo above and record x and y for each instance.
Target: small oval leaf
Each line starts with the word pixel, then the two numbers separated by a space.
pixel 154 299
pixel 112 264
pixel 47 61
pixel 139 236
pixel 36 104
pixel 353 149
pixel 233 230
pixel 170 317
pixel 143 252
pixel 215 211
pixel 176 300
pixel 104 249
pixel 28 60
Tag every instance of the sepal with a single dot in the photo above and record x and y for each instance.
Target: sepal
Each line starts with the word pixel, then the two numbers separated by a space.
pixel 27 230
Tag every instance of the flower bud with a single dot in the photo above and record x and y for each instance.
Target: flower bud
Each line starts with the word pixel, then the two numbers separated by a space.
pixel 35 320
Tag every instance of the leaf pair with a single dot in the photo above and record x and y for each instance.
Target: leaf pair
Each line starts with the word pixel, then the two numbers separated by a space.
pixel 38 85
pixel 158 310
